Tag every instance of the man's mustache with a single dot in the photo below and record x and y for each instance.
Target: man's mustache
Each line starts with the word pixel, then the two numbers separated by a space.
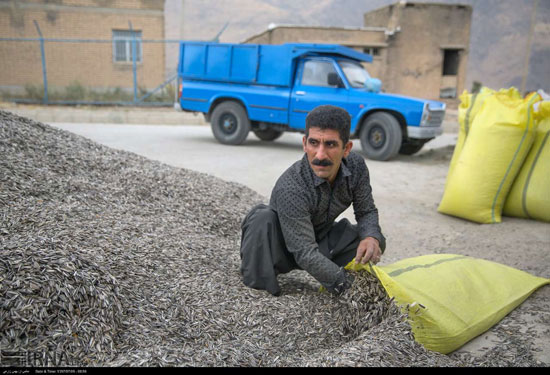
pixel 321 163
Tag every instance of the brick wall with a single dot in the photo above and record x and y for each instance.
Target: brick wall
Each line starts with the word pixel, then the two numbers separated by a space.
pixel 90 64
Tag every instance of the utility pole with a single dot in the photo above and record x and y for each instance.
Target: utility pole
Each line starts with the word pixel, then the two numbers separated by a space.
pixel 529 42
pixel 182 20
pixel 43 56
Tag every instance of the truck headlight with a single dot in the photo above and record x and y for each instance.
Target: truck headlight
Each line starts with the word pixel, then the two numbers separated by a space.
pixel 425 119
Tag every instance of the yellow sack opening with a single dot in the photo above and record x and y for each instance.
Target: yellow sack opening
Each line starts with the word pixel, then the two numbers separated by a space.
pixel 491 156
pixel 462 297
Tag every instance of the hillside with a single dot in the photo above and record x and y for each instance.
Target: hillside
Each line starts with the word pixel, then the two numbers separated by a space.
pixel 498 42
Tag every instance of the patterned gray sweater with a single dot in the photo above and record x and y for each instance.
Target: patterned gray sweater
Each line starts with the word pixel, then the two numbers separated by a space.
pixel 307 207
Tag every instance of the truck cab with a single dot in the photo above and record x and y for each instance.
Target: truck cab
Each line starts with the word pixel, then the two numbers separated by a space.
pixel 278 94
pixel 386 124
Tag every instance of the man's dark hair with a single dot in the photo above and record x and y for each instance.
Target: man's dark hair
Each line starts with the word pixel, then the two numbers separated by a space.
pixel 330 117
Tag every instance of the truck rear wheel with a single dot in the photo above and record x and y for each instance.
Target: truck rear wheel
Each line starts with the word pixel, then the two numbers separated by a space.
pixel 268 134
pixel 380 136
pixel 230 124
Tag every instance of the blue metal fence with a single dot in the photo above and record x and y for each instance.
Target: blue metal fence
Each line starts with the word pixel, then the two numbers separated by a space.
pixel 137 99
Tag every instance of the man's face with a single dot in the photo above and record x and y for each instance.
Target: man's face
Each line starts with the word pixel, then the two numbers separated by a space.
pixel 325 151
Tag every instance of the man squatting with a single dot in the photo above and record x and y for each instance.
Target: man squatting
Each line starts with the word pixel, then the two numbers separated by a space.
pixel 297 230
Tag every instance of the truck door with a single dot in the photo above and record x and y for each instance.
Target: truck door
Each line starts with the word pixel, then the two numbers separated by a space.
pixel 314 86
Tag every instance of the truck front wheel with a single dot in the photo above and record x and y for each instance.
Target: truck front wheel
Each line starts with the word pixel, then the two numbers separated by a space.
pixel 380 136
pixel 411 147
pixel 230 123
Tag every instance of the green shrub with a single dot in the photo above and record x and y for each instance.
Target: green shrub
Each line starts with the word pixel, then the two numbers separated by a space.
pixel 77 92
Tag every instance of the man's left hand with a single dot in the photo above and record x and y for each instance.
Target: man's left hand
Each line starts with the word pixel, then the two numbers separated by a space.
pixel 368 250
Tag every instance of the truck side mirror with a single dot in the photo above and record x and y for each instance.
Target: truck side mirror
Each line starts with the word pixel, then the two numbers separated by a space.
pixel 334 79
pixel 373 85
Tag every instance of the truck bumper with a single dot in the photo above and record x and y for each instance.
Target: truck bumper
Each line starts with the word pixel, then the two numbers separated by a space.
pixel 421 132
pixel 177 106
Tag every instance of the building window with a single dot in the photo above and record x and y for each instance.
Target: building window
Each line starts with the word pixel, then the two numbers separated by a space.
pixel 373 51
pixel 450 62
pixel 122 45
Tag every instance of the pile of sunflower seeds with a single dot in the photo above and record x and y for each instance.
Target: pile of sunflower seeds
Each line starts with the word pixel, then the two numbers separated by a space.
pixel 112 259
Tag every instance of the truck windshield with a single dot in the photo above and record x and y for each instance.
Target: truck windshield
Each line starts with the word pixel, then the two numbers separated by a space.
pixel 355 73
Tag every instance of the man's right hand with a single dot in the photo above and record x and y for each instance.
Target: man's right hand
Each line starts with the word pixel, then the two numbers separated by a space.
pixel 368 250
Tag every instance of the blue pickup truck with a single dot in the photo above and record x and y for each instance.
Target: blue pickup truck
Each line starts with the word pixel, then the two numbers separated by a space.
pixel 269 89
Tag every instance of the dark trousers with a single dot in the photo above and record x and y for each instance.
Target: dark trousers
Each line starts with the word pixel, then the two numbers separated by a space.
pixel 264 254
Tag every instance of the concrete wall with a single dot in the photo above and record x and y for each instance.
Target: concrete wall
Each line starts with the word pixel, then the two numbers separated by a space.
pixel 91 64
pixel 411 40
pixel 422 32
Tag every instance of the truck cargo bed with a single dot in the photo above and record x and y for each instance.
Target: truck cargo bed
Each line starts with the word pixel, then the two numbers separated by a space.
pixel 249 63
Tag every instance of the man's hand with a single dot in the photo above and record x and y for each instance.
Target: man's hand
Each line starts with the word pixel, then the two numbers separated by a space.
pixel 368 250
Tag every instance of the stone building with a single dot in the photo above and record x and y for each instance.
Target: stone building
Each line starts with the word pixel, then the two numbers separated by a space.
pixel 102 62
pixel 418 49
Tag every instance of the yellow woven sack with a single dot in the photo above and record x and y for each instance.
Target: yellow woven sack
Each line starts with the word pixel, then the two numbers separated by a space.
pixel 453 298
pixel 498 142
pixel 529 196
pixel 467 111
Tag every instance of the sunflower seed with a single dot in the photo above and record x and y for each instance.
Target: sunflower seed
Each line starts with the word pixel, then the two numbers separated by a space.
pixel 112 259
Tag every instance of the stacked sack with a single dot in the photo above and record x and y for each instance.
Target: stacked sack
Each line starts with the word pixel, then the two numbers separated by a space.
pixel 529 196
pixel 501 163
